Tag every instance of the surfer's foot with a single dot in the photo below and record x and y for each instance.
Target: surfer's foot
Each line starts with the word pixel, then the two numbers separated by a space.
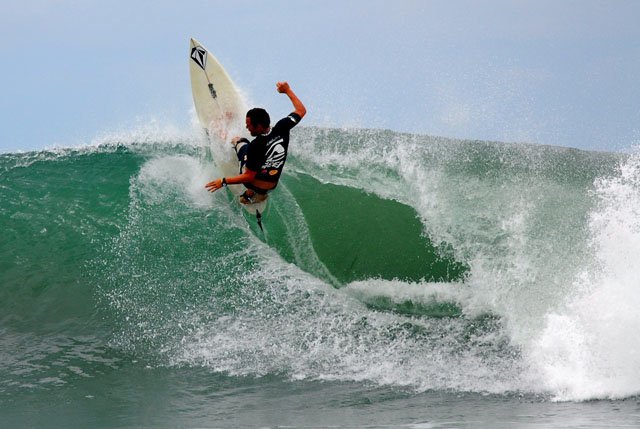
pixel 250 197
pixel 247 197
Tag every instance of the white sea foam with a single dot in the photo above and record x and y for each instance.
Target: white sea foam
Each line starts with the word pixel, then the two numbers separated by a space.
pixel 184 175
pixel 590 348
pixel 299 326
pixel 401 291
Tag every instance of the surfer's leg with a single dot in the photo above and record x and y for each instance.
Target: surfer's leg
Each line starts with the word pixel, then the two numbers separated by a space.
pixel 253 194
pixel 258 198
pixel 250 197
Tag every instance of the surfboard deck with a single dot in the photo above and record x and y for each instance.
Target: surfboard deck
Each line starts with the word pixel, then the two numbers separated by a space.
pixel 221 112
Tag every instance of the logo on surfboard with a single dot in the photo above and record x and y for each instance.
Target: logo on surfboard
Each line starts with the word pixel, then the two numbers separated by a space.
pixel 199 55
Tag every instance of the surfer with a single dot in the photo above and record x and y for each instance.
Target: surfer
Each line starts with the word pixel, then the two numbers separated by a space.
pixel 263 158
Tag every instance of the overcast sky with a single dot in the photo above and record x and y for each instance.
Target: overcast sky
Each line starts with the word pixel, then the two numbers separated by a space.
pixel 550 72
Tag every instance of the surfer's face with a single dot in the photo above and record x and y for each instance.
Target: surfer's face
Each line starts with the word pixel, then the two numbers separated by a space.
pixel 255 130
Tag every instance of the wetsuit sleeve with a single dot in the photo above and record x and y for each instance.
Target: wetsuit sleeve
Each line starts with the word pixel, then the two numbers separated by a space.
pixel 288 122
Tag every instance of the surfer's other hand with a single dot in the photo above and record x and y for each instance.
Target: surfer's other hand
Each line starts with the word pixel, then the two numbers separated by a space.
pixel 214 185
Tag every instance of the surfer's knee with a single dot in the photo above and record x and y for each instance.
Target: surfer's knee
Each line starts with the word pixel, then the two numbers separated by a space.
pixel 240 145
pixel 239 142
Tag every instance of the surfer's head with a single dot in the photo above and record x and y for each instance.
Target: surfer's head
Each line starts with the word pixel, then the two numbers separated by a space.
pixel 258 121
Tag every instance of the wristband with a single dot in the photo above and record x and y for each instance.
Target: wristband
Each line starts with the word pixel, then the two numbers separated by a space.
pixel 224 181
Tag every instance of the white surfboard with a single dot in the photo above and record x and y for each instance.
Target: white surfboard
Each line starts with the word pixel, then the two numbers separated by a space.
pixel 221 111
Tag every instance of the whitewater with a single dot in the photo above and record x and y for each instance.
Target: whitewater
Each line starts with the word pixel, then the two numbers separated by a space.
pixel 402 280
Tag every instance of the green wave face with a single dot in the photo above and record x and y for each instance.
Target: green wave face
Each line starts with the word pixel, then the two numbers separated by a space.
pixel 358 235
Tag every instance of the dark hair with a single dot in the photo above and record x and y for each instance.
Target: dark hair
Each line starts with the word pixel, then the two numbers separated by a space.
pixel 259 116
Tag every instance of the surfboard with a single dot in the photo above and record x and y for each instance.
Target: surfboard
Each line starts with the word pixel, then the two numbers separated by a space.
pixel 221 112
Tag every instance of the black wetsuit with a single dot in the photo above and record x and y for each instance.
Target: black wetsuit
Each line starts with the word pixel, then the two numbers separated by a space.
pixel 267 153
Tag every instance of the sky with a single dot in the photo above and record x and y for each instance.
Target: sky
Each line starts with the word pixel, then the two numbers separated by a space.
pixel 557 72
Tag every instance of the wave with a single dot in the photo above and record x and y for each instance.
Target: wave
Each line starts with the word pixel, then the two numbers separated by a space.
pixel 404 260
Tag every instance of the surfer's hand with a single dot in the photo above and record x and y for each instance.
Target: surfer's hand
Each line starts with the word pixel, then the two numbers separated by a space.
pixel 282 87
pixel 214 185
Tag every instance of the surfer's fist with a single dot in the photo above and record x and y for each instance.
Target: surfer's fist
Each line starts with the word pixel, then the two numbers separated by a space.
pixel 283 87
pixel 214 185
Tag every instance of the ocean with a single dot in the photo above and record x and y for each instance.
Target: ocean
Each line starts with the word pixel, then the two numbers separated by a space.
pixel 401 280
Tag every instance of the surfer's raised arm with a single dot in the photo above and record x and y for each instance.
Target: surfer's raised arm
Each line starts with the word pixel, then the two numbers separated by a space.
pixel 284 88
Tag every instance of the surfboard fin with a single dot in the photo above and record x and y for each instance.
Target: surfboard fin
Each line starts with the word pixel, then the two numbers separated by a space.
pixel 259 219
